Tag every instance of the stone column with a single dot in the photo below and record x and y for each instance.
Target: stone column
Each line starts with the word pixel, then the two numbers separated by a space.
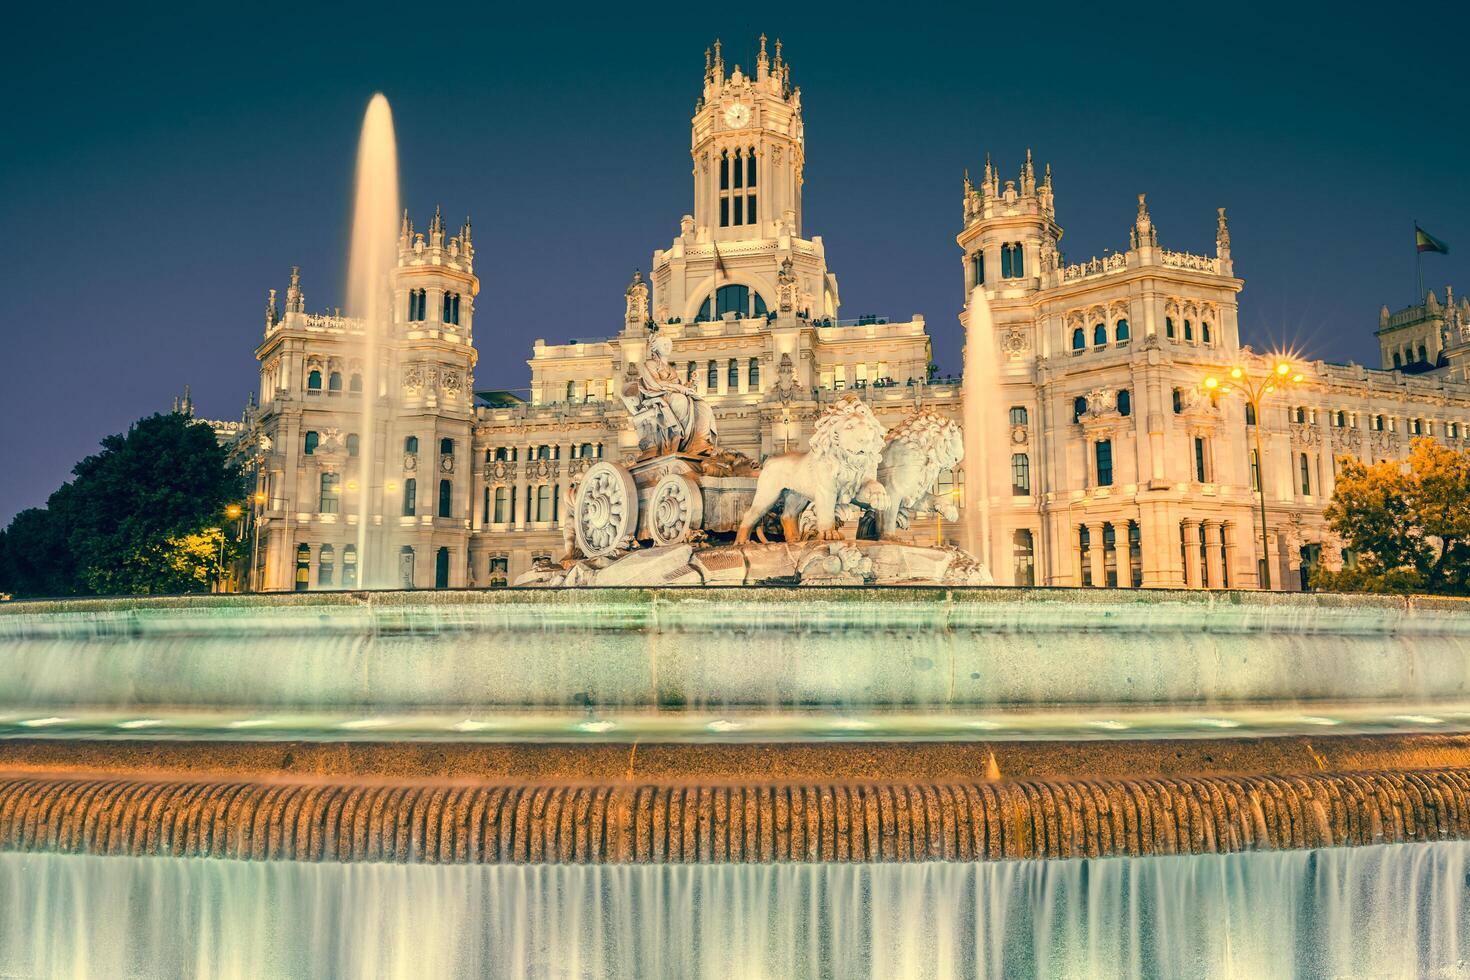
pixel 1232 557
pixel 1191 554
pixel 1076 532
pixel 1214 557
pixel 1095 553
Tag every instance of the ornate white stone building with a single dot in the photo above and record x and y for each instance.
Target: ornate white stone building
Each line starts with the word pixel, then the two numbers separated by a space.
pixel 1121 469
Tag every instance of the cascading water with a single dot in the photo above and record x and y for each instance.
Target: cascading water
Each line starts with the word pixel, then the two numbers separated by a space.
pixel 1369 911
pixel 369 295
pixel 982 423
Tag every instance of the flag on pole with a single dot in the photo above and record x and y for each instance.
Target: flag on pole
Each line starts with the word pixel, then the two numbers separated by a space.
pixel 719 263
pixel 1425 242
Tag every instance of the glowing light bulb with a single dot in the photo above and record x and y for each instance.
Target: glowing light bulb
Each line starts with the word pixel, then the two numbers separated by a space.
pixel 1296 377
pixel 1283 368
pixel 1236 373
pixel 1212 383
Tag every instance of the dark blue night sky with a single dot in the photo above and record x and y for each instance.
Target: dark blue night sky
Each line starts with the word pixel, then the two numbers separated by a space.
pixel 162 168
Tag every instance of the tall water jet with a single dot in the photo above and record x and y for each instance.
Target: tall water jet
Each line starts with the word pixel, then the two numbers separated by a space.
pixel 982 420
pixel 369 289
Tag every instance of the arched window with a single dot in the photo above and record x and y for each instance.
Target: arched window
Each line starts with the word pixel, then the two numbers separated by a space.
pixel 1020 475
pixel 1299 414
pixel 303 567
pixel 1423 354
pixel 1120 331
pixel 441 568
pixel 1204 331
pixel 354 385
pixel 1018 415
pixel 1110 556
pixel 349 567
pixel 326 566
pixel 1169 327
pixel 753 374
pixel 314 381
pixel 1023 550
pixel 1079 406
pixel 1084 554
pixel 411 445
pixel 410 497
pixel 712 376
pixel 352 444
pixel 977 267
pixel 689 374
pixel 1418 427
pixel 732 374
pixel 1398 360
pixel 1178 401
pixel 1100 335
pixel 1378 423
pixel 334 381
pixel 405 566
pixel 1125 402
pixel 571 391
pixel 1135 555
pixel 446 447
pixel 1188 331
pixel 446 498
pixel 502 505
pixel 312 441
pixel 1079 340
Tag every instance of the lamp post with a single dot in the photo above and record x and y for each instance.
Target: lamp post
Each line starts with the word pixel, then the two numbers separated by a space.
pixel 257 500
pixel 1255 389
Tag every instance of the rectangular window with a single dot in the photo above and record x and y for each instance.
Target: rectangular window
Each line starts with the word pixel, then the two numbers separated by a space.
pixel 738 172
pixel 543 503
pixel 750 210
pixel 1020 475
pixel 329 494
pixel 1306 476
pixel 724 174
pixel 750 170
pixel 1105 463
pixel 724 212
pixel 501 513
pixel 1018 415
pixel 1200 473
pixel 1018 261
pixel 1024 570
pixel 977 265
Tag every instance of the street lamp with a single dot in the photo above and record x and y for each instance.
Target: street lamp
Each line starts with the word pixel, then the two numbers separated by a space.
pixel 1255 389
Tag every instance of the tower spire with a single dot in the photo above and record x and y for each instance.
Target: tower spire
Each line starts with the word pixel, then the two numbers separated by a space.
pixel 762 63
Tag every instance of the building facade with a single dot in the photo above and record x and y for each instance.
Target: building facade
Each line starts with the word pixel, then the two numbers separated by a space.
pixel 1122 468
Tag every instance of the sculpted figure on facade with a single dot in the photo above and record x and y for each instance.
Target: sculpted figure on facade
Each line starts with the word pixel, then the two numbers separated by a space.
pixel 666 410
pixel 840 470
pixel 915 452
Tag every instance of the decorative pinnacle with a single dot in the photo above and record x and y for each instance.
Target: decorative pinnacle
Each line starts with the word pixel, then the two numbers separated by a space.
pixel 763 46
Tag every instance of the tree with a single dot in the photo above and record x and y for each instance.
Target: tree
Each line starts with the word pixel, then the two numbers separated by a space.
pixel 141 516
pixel 1407 523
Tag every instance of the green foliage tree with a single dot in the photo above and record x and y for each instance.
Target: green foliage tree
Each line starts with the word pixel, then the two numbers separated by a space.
pixel 1407 523
pixel 136 519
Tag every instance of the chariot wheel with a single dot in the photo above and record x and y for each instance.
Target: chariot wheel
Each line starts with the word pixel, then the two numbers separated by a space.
pixel 607 509
pixel 675 509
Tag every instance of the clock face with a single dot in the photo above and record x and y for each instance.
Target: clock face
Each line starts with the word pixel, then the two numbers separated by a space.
pixel 737 114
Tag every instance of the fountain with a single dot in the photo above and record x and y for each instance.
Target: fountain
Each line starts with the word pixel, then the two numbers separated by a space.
pixel 369 269
pixel 770 740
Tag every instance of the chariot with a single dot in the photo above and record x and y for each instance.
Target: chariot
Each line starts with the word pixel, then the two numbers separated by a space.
pixel 664 500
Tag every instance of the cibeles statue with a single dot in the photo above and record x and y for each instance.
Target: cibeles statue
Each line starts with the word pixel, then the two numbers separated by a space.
pixel 916 451
pixel 666 410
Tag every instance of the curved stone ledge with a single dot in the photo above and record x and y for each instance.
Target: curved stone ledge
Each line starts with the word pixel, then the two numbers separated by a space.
pixel 612 823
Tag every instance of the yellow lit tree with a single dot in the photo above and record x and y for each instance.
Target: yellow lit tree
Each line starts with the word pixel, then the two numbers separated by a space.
pixel 1406 523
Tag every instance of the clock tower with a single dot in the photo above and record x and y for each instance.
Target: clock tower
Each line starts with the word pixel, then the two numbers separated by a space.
pixel 748 149
pixel 741 251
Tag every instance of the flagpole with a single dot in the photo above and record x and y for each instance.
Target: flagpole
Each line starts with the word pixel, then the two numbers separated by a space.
pixel 1418 266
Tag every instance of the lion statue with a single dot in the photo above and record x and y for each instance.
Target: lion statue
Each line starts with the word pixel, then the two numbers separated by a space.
pixel 839 470
pixel 918 448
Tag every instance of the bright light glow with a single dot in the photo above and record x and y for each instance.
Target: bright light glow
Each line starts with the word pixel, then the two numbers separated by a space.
pixel 392 486
pixel 232 511
pixel 260 498
pixel 1283 368
pixel 352 485
pixel 1296 377
pixel 1212 383
pixel 1236 373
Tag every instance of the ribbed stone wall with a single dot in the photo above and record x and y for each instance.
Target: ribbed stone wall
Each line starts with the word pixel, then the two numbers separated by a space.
pixel 990 820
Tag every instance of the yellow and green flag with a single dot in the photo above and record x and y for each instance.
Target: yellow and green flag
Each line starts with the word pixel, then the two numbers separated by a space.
pixel 1425 242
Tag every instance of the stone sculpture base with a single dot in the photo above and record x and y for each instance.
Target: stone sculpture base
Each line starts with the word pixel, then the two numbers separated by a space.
pixel 801 563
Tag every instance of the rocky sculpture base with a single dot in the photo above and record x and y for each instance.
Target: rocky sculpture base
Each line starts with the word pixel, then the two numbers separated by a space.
pixel 849 562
